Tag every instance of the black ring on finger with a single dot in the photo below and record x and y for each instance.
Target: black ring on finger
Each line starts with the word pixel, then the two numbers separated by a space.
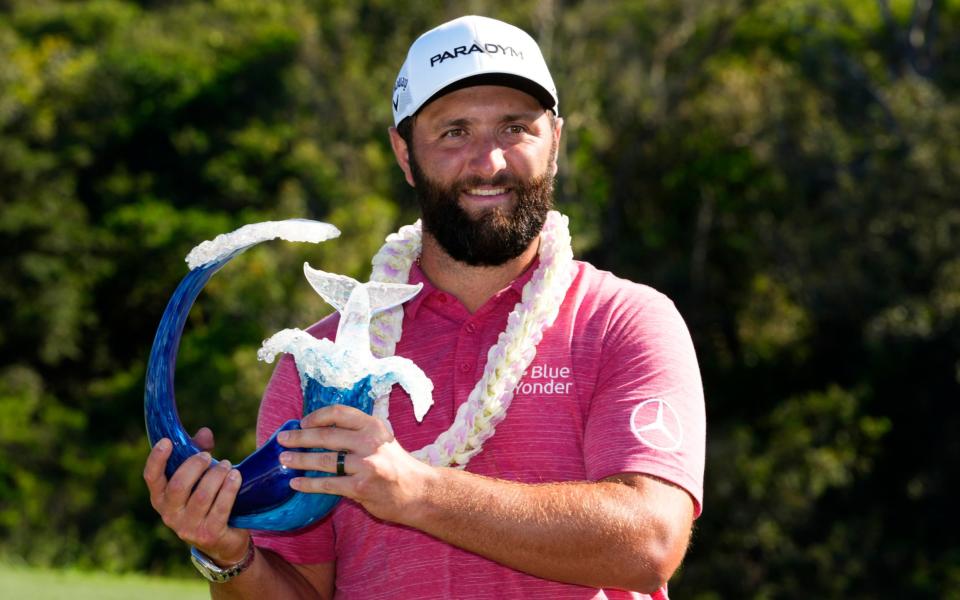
pixel 341 457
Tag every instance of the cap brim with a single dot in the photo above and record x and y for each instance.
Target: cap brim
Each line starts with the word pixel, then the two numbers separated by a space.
pixel 510 80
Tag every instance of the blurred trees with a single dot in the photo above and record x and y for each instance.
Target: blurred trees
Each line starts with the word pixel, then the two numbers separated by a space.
pixel 786 171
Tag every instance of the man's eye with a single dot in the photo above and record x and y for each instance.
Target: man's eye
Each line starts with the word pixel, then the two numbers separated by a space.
pixel 515 129
pixel 452 133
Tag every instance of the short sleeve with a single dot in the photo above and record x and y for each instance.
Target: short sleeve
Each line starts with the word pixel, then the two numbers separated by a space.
pixel 647 411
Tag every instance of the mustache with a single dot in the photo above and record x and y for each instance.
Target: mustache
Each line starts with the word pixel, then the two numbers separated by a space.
pixel 499 180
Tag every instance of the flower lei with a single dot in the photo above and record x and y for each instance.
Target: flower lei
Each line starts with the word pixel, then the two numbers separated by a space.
pixel 507 360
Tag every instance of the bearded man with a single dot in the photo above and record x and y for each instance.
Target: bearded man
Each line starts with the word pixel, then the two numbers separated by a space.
pixel 564 453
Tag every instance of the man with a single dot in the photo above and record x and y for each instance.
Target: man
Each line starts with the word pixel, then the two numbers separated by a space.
pixel 583 473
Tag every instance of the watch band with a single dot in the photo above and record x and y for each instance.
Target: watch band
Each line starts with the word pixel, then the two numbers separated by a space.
pixel 217 574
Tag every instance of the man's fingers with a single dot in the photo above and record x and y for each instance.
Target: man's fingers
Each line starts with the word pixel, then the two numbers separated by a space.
pixel 220 510
pixel 328 438
pixel 340 486
pixel 325 462
pixel 207 490
pixel 154 471
pixel 337 427
pixel 203 438
pixel 196 501
pixel 345 417
pixel 181 484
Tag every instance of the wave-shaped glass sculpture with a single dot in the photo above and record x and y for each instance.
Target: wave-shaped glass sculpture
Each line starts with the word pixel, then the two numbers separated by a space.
pixel 341 372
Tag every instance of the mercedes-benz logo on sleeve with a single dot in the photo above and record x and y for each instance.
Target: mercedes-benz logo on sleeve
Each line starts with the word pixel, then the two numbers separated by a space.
pixel 657 424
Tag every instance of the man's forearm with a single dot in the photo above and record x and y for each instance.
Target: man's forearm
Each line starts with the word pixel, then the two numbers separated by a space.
pixel 605 534
pixel 270 576
pixel 628 532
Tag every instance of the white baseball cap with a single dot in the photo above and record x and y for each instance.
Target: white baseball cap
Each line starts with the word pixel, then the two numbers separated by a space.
pixel 471 51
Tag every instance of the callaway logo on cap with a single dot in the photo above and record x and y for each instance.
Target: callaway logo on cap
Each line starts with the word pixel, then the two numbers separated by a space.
pixel 471 51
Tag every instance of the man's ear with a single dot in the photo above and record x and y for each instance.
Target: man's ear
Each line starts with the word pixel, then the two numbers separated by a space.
pixel 402 154
pixel 557 130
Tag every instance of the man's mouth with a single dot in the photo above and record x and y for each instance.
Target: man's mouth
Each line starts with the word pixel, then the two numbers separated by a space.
pixel 486 191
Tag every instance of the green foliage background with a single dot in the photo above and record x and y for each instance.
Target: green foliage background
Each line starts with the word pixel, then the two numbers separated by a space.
pixel 786 170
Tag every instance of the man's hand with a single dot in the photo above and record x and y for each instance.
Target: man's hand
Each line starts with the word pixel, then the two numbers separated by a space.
pixel 196 502
pixel 381 476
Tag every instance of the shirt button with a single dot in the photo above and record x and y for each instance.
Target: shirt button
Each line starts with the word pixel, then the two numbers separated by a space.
pixel 471 328
pixel 442 298
pixel 465 366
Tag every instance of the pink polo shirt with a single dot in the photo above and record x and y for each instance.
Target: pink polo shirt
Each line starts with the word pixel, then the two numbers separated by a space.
pixel 614 388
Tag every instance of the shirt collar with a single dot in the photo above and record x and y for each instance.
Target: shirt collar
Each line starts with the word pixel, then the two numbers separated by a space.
pixel 514 290
pixel 417 276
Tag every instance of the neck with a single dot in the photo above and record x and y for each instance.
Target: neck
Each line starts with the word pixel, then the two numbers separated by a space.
pixel 473 286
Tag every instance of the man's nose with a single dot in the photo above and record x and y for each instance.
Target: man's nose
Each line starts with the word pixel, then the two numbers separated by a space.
pixel 488 158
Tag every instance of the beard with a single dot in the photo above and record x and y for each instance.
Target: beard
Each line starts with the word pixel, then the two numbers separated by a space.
pixel 496 235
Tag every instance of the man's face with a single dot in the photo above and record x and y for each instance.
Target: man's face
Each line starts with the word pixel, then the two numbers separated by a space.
pixel 482 162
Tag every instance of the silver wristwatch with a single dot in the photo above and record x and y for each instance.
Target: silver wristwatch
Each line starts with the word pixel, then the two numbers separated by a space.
pixel 212 572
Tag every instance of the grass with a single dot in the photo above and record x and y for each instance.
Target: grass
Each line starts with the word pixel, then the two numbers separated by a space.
pixel 18 583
